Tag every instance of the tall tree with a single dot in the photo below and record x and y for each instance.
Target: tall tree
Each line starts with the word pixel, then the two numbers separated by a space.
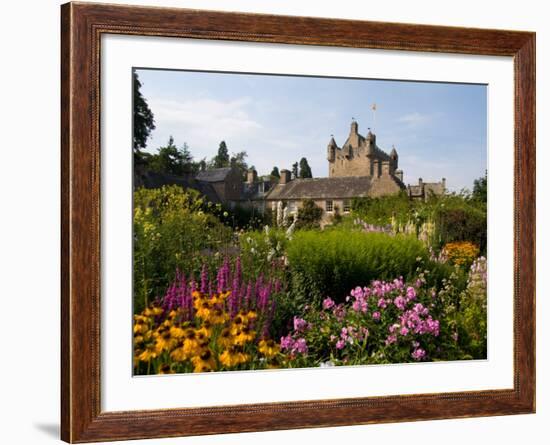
pixel 144 121
pixel 305 169
pixel 172 160
pixel 480 189
pixel 275 172
pixel 295 170
pixel 222 158
pixel 238 161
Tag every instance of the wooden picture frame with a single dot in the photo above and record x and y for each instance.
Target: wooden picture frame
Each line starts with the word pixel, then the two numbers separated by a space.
pixel 82 26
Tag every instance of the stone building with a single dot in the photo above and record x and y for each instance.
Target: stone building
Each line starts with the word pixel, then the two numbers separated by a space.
pixel 360 168
pixel 361 156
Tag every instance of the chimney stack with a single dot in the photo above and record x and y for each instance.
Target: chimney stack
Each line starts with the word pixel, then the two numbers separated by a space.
pixel 251 176
pixel 285 176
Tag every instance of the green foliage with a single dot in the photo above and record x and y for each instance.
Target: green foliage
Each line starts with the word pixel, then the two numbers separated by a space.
pixel 144 121
pixel 238 161
pixel 309 215
pixel 295 173
pixel 379 211
pixel 173 230
pixel 457 217
pixel 305 169
pixel 275 172
pixel 222 158
pixel 480 189
pixel 458 220
pixel 330 263
pixel 173 160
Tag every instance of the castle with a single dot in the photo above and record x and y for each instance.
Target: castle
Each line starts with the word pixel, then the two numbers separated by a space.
pixel 360 168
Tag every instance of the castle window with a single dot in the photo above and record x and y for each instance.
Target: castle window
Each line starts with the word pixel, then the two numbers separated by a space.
pixel 292 206
pixel 328 206
pixel 347 206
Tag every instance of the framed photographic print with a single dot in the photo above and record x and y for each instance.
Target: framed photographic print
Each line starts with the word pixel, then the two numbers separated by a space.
pixel 275 222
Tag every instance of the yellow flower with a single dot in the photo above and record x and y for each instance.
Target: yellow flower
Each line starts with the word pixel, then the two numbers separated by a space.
pixel 218 316
pixel 233 357
pixel 204 362
pixel 243 336
pixel 225 339
pixel 152 311
pixel 165 342
pixel 149 353
pixel 205 330
pixel 203 310
pixel 140 327
pixel 179 354
pixel 237 325
pixel 268 348
pixel 177 332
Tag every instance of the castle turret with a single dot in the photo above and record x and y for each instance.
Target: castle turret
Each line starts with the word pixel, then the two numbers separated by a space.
pixel 331 150
pixel 354 127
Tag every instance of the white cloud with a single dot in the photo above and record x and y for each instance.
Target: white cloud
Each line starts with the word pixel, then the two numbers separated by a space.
pixel 202 120
pixel 416 118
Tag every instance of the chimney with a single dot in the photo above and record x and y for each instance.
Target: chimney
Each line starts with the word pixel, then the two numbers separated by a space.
pixel 420 182
pixel 385 168
pixel 251 176
pixel 285 176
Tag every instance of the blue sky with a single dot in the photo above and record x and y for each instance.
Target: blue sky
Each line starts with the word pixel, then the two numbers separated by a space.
pixel 438 129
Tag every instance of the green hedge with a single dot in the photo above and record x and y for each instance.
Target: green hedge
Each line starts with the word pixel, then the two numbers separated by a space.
pixel 331 263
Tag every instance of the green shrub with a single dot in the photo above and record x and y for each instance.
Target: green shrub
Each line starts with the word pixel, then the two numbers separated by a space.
pixel 330 263
pixel 309 215
pixel 173 229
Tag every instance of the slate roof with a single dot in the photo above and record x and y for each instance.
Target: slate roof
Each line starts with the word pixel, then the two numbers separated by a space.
pixel 214 175
pixel 322 188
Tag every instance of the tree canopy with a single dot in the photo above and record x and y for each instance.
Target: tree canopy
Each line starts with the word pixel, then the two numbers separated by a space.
pixel 144 121
pixel 173 160
pixel 222 158
pixel 305 169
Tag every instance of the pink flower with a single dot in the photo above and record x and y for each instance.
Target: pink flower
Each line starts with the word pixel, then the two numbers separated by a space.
pixel 328 303
pixel 391 339
pixel 340 344
pixel 287 342
pixel 418 354
pixel 382 303
pixel 300 346
pixel 404 331
pixel 411 293
pixel 399 302
pixel 300 324
pixel 376 315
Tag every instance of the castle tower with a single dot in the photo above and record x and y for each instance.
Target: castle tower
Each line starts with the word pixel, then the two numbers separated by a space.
pixel 360 156
pixel 331 150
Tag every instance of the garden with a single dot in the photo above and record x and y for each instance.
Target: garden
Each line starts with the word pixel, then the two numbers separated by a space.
pixel 392 281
